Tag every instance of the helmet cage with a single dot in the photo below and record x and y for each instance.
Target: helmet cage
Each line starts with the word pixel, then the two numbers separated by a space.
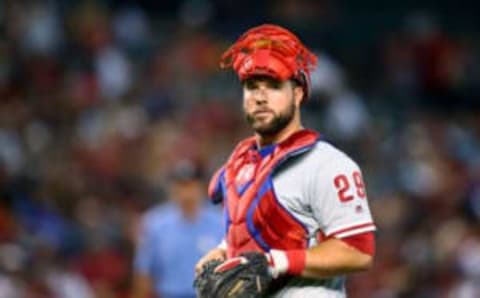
pixel 273 51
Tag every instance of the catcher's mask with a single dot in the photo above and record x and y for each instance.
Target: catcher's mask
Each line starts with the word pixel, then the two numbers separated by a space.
pixel 273 51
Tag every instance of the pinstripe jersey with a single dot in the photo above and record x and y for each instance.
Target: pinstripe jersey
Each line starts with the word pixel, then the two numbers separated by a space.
pixel 323 189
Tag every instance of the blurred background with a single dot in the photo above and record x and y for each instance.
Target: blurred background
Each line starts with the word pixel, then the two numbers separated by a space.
pixel 100 99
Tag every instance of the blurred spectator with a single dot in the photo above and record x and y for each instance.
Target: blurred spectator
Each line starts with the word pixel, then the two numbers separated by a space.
pixel 132 29
pixel 174 236
pixel 113 72
pixel 40 29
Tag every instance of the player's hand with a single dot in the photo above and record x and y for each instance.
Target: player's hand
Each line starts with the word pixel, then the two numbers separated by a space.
pixel 215 254
pixel 244 276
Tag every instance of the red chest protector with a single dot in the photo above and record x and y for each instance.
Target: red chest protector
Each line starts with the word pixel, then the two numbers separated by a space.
pixel 255 220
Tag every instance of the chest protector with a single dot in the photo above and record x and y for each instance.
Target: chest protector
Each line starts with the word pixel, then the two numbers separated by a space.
pixel 255 220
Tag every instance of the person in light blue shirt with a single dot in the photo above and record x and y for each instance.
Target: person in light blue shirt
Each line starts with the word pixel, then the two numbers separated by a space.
pixel 174 235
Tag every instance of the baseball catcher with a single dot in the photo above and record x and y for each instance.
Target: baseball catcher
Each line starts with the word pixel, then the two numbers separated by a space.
pixel 296 210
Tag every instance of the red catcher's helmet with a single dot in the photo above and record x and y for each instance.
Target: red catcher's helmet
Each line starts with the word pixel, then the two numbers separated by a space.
pixel 273 51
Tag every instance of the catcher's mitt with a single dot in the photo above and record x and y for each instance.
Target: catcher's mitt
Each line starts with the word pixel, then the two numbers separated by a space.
pixel 246 276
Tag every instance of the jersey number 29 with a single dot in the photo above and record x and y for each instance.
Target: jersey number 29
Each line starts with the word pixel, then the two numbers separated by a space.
pixel 342 183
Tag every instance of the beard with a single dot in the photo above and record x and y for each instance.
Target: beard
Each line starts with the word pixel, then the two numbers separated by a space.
pixel 275 125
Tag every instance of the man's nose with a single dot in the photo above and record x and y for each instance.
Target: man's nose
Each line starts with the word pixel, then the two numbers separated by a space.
pixel 260 95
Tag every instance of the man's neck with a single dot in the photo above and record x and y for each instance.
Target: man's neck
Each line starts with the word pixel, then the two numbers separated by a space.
pixel 265 140
pixel 190 211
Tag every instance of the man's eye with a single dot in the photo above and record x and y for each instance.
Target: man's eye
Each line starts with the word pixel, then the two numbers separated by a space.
pixel 275 84
pixel 250 85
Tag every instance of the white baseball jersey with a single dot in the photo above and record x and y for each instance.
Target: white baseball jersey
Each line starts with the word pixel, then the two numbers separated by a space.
pixel 323 189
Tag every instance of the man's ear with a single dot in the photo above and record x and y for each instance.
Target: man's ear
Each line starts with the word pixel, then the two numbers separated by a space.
pixel 298 94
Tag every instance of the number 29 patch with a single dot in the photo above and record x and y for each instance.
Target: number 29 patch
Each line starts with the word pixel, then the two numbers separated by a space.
pixel 345 191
